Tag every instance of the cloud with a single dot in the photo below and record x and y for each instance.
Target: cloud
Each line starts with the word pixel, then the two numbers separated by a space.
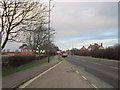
pixel 79 43
pixel 84 23
pixel 77 18
pixel 87 22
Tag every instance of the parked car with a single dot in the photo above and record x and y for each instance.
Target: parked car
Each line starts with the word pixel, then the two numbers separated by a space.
pixel 64 54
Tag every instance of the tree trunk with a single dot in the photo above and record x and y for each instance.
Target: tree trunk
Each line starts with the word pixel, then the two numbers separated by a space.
pixel 6 39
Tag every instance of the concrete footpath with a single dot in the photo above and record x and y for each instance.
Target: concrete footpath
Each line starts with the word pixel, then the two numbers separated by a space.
pixel 17 78
pixel 62 76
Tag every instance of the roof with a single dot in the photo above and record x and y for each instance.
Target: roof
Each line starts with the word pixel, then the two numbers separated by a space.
pixel 90 46
pixel 101 47
pixel 27 48
pixel 83 48
pixel 95 45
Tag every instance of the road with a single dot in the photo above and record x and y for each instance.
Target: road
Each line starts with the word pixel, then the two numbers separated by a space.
pixel 103 73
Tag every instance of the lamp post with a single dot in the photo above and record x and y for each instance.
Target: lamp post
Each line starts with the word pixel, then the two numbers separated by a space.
pixel 49 35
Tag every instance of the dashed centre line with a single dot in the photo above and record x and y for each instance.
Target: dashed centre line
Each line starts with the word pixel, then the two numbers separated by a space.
pixel 94 86
pixel 84 77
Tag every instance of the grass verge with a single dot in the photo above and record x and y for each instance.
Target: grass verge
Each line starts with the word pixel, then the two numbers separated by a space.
pixel 60 58
pixel 25 66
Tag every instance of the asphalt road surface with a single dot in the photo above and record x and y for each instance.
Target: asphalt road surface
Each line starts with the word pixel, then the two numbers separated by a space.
pixel 103 73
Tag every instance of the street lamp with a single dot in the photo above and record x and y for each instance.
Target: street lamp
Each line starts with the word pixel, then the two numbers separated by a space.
pixel 49 34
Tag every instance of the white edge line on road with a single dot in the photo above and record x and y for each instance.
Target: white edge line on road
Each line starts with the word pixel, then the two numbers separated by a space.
pixel 94 86
pixel 84 77
pixel 30 81
pixel 76 71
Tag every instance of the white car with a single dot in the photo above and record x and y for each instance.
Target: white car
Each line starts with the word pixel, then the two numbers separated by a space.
pixel 64 54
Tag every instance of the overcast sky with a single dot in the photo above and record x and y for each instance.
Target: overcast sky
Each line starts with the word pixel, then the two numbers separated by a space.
pixel 83 23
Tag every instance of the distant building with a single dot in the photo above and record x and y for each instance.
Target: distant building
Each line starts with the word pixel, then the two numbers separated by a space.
pixel 13 53
pixel 93 47
pixel 83 48
pixel 90 47
pixel 26 51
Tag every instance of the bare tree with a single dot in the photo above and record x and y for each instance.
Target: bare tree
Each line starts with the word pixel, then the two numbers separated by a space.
pixel 38 38
pixel 16 15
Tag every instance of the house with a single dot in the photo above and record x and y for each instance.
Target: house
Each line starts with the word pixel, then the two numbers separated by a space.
pixel 24 51
pixel 13 53
pixel 95 46
pixel 27 51
pixel 92 47
pixel 83 48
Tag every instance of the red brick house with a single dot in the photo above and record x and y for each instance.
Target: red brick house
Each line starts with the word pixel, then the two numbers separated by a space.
pixel 92 47
pixel 27 51
pixel 83 48
pixel 13 53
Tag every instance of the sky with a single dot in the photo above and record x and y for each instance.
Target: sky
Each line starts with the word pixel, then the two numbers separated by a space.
pixel 82 23
pixel 85 23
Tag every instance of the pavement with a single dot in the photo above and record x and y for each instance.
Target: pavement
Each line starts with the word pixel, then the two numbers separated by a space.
pixel 61 76
pixel 13 80
pixel 102 73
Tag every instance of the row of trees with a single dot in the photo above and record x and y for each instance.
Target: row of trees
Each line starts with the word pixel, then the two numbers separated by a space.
pixel 37 38
pixel 108 53
pixel 24 22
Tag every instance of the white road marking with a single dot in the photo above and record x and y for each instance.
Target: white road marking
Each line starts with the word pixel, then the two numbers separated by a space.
pixel 30 81
pixel 84 77
pixel 94 86
pixel 77 72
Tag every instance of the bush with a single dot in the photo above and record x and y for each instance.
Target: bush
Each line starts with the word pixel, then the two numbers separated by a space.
pixel 41 56
pixel 20 60
pixel 108 53
pixel 14 61
pixel 5 62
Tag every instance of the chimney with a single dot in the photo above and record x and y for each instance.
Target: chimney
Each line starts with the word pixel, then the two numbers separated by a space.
pixel 101 44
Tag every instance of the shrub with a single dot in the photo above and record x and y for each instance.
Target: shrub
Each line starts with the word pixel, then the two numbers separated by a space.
pixel 108 53
pixel 14 61
pixel 20 60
